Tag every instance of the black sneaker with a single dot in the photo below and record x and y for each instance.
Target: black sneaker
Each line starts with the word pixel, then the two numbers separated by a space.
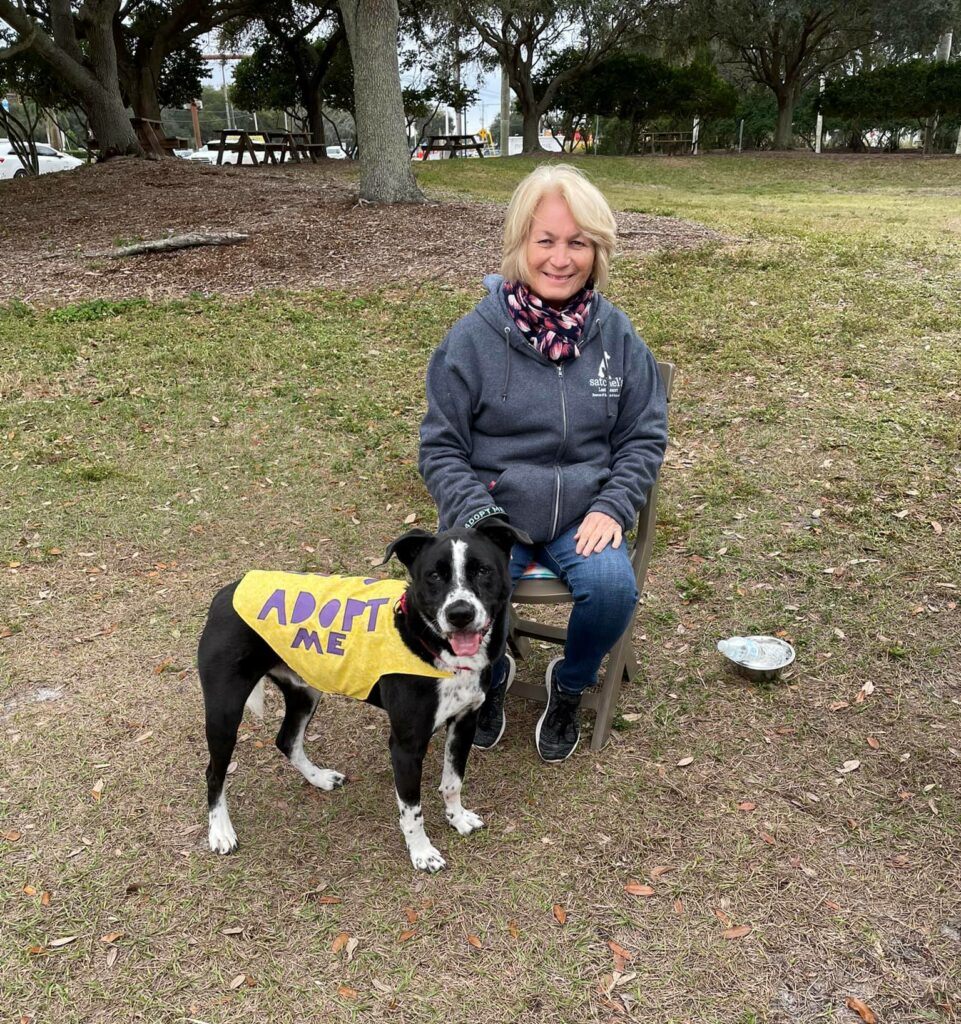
pixel 558 730
pixel 491 721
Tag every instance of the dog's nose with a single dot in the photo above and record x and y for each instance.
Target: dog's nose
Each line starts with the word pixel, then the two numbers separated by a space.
pixel 460 614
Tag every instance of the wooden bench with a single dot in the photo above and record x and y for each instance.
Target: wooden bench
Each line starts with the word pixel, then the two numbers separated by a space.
pixel 298 146
pixel 452 145
pixel 669 142
pixel 154 139
pixel 239 141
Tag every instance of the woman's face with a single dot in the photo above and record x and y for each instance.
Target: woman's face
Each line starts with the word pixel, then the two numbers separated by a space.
pixel 560 257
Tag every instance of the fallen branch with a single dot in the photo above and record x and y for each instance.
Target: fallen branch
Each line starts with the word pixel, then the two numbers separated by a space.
pixel 170 244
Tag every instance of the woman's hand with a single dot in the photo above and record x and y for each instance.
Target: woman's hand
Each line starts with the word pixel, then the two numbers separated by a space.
pixel 596 532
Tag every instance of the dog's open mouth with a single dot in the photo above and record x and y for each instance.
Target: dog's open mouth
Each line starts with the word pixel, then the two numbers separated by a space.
pixel 465 643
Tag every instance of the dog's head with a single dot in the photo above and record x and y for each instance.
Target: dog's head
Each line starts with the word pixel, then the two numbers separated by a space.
pixel 459 579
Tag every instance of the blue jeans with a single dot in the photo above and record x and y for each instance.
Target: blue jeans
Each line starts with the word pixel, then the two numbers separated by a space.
pixel 605 595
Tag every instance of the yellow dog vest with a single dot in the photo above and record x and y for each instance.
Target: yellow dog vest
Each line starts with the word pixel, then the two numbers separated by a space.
pixel 336 632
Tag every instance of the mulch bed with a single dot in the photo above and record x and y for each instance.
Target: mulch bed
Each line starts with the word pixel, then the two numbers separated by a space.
pixel 306 227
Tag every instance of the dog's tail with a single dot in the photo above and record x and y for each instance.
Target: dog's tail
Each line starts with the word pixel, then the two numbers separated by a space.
pixel 255 702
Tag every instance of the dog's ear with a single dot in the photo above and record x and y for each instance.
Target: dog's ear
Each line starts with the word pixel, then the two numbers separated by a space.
pixel 502 533
pixel 408 547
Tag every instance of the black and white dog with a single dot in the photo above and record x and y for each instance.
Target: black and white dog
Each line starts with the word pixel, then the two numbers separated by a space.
pixel 453 618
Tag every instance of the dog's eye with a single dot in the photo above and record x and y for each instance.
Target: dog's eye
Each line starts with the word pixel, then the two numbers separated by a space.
pixel 434 576
pixel 483 570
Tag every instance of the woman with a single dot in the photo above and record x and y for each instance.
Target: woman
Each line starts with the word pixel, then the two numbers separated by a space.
pixel 545 407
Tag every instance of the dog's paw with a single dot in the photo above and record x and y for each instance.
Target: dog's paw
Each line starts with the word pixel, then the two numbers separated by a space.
pixel 324 778
pixel 427 859
pixel 222 838
pixel 465 821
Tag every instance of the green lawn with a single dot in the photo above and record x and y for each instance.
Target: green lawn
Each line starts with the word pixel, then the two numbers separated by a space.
pixel 151 452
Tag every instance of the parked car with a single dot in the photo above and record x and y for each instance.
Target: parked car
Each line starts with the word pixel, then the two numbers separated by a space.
pixel 48 158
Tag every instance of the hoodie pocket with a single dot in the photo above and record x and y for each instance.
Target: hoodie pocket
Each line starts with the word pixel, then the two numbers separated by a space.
pixel 527 493
pixel 582 485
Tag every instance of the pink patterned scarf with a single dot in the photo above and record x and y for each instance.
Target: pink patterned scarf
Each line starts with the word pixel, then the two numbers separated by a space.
pixel 553 332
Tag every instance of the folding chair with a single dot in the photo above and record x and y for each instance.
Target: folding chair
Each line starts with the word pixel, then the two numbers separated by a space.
pixel 621 663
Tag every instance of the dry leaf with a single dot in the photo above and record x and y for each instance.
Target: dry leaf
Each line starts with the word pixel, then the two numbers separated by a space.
pixel 679 906
pixel 112 955
pixel 722 917
pixel 329 900
pixel 380 986
pixel 736 933
pixel 849 766
pixel 861 1009
pixel 412 518
pixel 513 930
pixel 746 805
pixel 873 743
pixel 236 930
pixel 936 526
pixel 37 950
pixel 660 870
pixel 29 890
pixel 97 790
pixel 237 982
pixel 339 942
pixel 685 761
pixel 111 936
pixel 57 943
pixel 13 836
pixel 475 942
pixel 408 933
pixel 411 915
pixel 560 914
pixel 618 950
pixel 351 948
pixel 768 838
pixel 638 889
pixel 347 992
pixel 45 899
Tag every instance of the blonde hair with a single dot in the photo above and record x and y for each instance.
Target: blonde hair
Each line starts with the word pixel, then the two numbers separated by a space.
pixel 588 207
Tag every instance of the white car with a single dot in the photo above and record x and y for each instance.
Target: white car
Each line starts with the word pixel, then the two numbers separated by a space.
pixel 49 159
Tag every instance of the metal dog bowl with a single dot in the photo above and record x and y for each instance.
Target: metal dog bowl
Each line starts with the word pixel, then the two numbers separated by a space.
pixel 760 658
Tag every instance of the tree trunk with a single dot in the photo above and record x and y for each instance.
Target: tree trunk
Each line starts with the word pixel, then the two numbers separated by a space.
pixel 784 132
pixel 142 91
pixel 385 171
pixel 531 117
pixel 314 106
pixel 93 76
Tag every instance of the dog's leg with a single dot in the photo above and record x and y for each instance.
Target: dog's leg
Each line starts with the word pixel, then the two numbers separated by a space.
pixel 222 725
pixel 408 766
pixel 301 702
pixel 460 736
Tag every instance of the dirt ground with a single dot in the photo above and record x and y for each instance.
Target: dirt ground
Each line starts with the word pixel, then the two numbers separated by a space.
pixel 306 230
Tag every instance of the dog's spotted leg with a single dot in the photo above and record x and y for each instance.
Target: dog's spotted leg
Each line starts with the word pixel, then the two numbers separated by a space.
pixel 423 854
pixel 301 703
pixel 460 735
pixel 408 762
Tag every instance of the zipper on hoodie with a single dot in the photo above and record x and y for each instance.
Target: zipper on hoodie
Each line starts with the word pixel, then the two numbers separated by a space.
pixel 557 468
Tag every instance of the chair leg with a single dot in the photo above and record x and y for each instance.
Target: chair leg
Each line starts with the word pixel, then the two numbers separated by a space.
pixel 611 688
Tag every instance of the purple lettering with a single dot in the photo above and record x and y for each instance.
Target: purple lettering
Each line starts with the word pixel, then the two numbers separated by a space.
pixel 375 604
pixel 334 640
pixel 328 613
pixel 352 609
pixel 275 603
pixel 307 639
pixel 303 607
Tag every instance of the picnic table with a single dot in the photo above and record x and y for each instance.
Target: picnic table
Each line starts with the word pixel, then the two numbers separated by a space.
pixel 268 146
pixel 298 146
pixel 670 142
pixel 153 138
pixel 452 145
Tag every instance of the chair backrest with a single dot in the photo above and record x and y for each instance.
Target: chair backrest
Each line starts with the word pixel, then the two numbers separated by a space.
pixel 548 591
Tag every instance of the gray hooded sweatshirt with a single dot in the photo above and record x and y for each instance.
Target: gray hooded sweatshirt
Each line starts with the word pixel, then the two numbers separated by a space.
pixel 509 432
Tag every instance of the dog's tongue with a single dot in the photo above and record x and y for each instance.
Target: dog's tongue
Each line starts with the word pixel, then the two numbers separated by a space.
pixel 465 644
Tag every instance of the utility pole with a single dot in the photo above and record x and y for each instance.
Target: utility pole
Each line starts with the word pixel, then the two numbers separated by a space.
pixel 820 121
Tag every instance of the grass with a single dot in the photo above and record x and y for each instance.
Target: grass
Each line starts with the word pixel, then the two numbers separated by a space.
pixel 151 452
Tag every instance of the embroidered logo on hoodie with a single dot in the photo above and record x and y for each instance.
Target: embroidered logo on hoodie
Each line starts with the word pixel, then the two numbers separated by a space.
pixel 604 384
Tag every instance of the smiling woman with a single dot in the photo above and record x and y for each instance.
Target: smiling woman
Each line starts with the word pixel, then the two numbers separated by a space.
pixel 545 408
